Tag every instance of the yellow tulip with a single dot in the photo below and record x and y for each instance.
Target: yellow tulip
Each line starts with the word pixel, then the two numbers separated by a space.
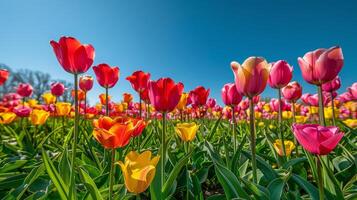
pixel 271 126
pixel 300 119
pixel 289 147
pixel 328 113
pixel 287 114
pixel 352 123
pixel 257 115
pixel 183 100
pixel 266 107
pixel 39 117
pixel 261 124
pixel 314 110
pixel 187 131
pixel 138 170
pixel 49 98
pixel 32 102
pixel 63 108
pixel 7 117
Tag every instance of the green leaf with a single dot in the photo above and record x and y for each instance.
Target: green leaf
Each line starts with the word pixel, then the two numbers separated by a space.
pixel 338 192
pixel 228 180
pixel 276 187
pixel 293 162
pixel 90 185
pixel 308 187
pixel 12 165
pixel 263 166
pixel 55 177
pixel 174 173
pixel 214 129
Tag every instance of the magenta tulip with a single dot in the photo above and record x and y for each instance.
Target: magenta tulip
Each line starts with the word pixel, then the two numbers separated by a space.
pixel 322 65
pixel 57 89
pixel 292 92
pixel 274 104
pixel 353 91
pixel 24 89
pixel 333 85
pixel 280 74
pixel 230 95
pixel 317 139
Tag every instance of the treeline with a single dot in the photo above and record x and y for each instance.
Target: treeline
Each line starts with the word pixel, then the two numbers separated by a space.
pixel 40 82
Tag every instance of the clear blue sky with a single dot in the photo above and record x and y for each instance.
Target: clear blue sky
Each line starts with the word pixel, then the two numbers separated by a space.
pixel 190 41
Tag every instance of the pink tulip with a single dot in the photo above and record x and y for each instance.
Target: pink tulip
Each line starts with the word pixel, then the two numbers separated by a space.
pixel 251 77
pixel 322 65
pixel 317 139
pixel 353 91
pixel 305 98
pixel 345 97
pixel 280 74
pixel 274 104
pixel 57 89
pixel 230 95
pixel 24 89
pixel 292 92
pixel 211 103
pixel 22 111
pixel 333 85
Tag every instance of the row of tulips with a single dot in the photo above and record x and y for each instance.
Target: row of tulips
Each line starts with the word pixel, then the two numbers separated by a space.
pixel 122 126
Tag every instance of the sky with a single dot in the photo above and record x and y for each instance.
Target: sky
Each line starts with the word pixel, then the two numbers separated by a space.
pixel 190 41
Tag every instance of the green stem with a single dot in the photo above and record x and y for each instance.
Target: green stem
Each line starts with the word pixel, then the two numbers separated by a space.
pixel 111 175
pixel 163 151
pixel 321 107
pixel 252 138
pixel 106 102
pixel 333 109
pixel 280 119
pixel 75 134
pixel 320 178
pixel 140 108
pixel 294 120
pixel 234 134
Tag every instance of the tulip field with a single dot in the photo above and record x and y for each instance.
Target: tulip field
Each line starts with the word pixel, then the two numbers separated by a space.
pixel 164 142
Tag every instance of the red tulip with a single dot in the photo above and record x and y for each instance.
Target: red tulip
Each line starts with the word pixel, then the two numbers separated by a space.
pixel 353 91
pixel 322 65
pixel 144 95
pixel 211 103
pixel 75 58
pixel 280 74
pixel 292 92
pixel 251 77
pixel 139 80
pixel 333 85
pixel 164 94
pixel 57 89
pixel 230 95
pixel 317 139
pixel 24 89
pixel 199 96
pixel 86 83
pixel 107 76
pixel 4 75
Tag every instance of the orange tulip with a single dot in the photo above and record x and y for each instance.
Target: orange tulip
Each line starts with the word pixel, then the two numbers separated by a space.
pixel 112 134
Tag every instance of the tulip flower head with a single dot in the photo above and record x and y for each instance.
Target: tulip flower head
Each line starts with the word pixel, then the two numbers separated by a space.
pixel 317 139
pixel 107 76
pixel 85 83
pixel 24 89
pixel 139 80
pixel 75 58
pixel 4 75
pixel 138 170
pixel 63 108
pixel 111 134
pixel 39 117
pixel 230 95
pixel 187 131
pixel 280 74
pixel 57 89
pixel 199 96
pixel 322 65
pixel 332 86
pixel 352 91
pixel 164 94
pixel 127 97
pixel 22 111
pixel 7 117
pixel 289 147
pixel 49 98
pixel 292 92
pixel 183 101
pixel 251 77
